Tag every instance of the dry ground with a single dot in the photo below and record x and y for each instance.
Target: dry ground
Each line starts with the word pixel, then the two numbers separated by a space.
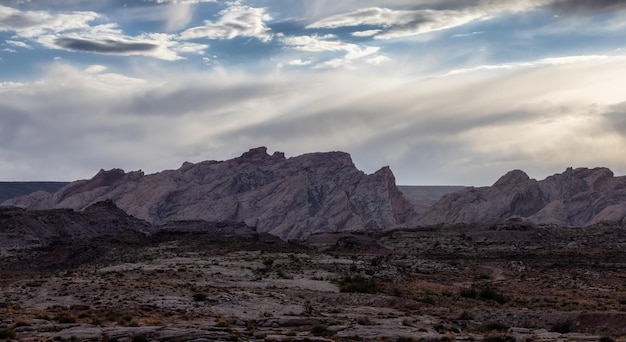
pixel 497 283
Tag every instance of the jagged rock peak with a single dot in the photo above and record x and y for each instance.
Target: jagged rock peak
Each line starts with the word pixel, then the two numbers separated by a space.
pixel 108 177
pixel 512 178
pixel 290 198
pixel 577 197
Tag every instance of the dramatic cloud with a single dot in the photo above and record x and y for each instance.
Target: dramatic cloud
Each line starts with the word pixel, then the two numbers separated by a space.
pixel 235 21
pixel 402 23
pixel 75 32
pixel 104 46
pixel 495 123
pixel 443 91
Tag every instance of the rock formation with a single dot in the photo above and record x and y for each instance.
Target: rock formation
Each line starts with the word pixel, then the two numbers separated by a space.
pixel 576 197
pixel 32 228
pixel 290 198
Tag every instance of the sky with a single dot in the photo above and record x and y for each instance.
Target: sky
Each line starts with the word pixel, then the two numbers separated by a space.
pixel 445 92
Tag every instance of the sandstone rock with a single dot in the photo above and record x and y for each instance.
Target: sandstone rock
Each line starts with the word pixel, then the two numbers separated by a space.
pixel 287 197
pixel 576 197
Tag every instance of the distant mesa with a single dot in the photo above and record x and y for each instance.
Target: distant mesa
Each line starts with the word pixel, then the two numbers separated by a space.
pixel 287 197
pixel 295 197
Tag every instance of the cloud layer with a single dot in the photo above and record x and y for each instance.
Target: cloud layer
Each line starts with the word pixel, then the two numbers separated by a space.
pixel 573 115
pixel 443 91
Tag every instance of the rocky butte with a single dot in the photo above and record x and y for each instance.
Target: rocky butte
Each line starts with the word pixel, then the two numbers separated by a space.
pixel 577 197
pixel 287 197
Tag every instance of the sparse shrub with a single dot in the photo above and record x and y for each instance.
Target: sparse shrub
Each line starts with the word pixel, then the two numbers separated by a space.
pixel 199 297
pixel 357 284
pixel 364 320
pixel 268 262
pixel 318 330
pixel 308 309
pixel 469 292
pixel 66 317
pixel 466 316
pixel 489 293
pixel 267 314
pixel 7 334
pixel 139 338
pixel 562 327
pixel 499 338
pixel 496 326
pixel 221 321
pixel 41 314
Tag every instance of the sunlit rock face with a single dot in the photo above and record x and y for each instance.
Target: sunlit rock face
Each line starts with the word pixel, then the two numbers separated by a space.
pixel 287 197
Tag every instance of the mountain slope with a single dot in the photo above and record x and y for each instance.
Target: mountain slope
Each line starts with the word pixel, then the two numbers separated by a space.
pixel 10 190
pixel 576 197
pixel 290 198
pixel 425 196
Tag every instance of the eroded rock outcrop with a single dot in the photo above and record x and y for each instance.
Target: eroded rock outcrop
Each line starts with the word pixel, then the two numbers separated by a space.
pixel 576 197
pixel 287 197
pixel 21 228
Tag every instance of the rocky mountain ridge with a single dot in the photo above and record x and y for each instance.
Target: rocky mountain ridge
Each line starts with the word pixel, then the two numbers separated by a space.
pixel 287 197
pixel 577 197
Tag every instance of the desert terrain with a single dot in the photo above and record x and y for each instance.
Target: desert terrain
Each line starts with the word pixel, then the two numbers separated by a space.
pixel 501 282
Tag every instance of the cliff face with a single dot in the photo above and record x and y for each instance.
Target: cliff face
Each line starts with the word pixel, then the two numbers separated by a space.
pixel 576 197
pixel 290 198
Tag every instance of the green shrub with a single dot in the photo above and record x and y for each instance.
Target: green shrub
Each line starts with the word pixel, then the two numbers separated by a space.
pixel 496 326
pixel 268 262
pixel 499 338
pixel 485 292
pixel 357 284
pixel 318 330
pixel 562 327
pixel 466 316
pixel 66 318
pixel 199 297
pixel 7 334
pixel 489 293
pixel 469 292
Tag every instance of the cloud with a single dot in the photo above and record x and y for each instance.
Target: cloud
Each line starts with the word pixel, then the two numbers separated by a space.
pixel 235 21
pixel 19 44
pixel 75 32
pixel 181 1
pixel 31 24
pixel 330 43
pixel 587 7
pixel 394 23
pixel 104 46
pixel 531 64
pixel 542 118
